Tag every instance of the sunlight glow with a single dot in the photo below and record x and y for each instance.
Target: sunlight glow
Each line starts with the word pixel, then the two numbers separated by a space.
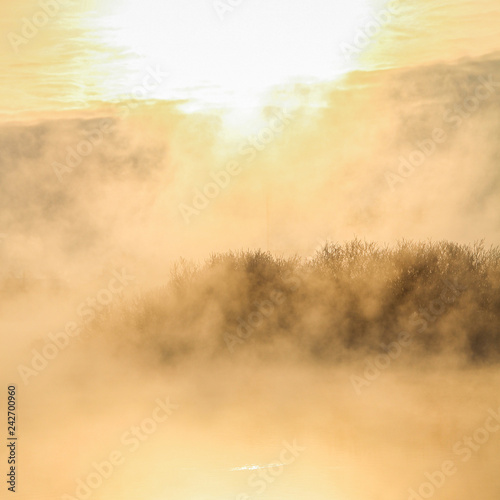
pixel 224 61
pixel 255 467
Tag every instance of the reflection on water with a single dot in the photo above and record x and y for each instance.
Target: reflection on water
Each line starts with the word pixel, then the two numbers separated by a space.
pixel 85 55
pixel 254 467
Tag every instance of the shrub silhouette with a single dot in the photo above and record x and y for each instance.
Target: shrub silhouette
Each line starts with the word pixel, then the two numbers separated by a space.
pixel 347 300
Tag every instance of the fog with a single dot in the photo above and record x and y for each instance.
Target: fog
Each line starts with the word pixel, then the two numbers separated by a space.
pixel 135 193
pixel 119 259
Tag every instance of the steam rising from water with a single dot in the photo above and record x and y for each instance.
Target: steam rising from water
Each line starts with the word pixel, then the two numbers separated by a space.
pixel 324 176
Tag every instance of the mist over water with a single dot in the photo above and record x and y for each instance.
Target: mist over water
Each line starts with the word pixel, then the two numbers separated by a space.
pixel 155 186
pixel 190 294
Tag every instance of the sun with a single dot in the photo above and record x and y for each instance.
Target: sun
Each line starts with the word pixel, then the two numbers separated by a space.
pixel 255 46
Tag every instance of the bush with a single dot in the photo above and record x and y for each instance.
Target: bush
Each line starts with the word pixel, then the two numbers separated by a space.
pixel 349 299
